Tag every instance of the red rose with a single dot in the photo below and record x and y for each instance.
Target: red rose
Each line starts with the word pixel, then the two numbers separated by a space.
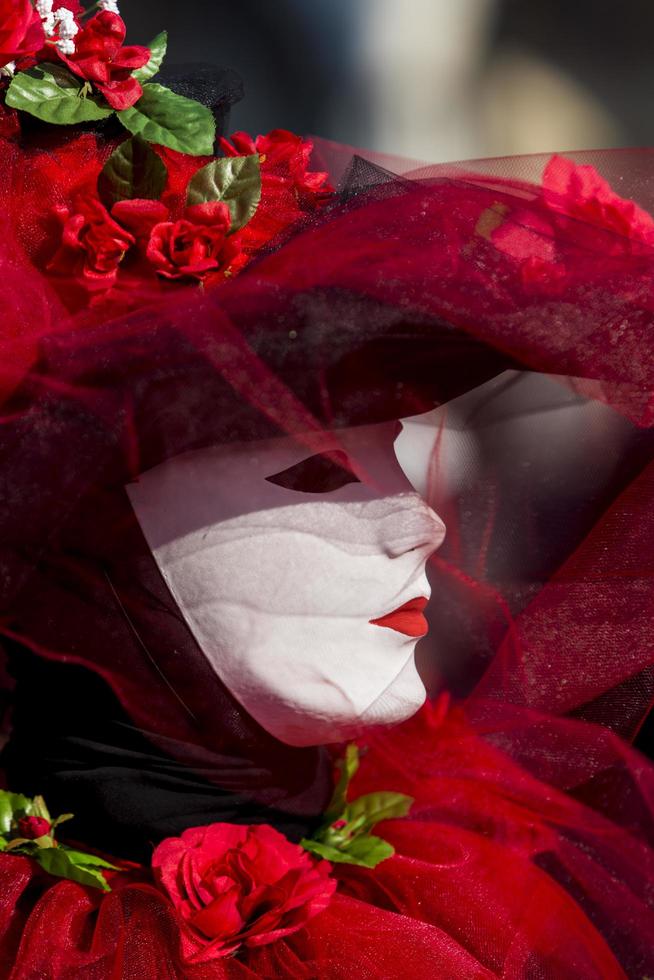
pixel 21 30
pixel 33 827
pixel 580 193
pixel 101 59
pixel 285 159
pixel 234 886
pixel 195 247
pixel 139 216
pixel 289 188
pixel 577 209
pixel 92 245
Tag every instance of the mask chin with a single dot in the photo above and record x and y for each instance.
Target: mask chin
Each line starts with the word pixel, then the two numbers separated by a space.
pixel 400 700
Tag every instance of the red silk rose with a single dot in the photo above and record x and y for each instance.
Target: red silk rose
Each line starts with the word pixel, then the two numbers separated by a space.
pixel 92 245
pixel 577 209
pixel 580 193
pixel 101 59
pixel 139 216
pixel 235 886
pixel 21 30
pixel 195 247
pixel 289 188
pixel 284 159
pixel 32 827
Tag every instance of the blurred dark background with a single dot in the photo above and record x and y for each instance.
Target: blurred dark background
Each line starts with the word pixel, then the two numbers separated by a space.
pixel 431 79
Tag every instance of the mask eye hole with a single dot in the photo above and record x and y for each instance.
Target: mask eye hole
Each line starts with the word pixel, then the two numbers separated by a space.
pixel 322 473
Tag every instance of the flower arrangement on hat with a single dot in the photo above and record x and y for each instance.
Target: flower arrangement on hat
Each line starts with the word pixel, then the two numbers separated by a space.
pixel 169 205
pixel 165 208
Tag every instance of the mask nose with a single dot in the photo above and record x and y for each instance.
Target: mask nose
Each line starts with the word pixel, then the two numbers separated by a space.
pixel 412 526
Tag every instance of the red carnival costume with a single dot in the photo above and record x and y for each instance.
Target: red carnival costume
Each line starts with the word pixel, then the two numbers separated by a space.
pixel 518 814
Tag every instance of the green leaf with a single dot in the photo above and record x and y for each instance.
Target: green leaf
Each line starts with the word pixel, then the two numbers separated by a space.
pixel 234 180
pixel 3 844
pixel 375 807
pixel 40 809
pixel 64 818
pixel 51 93
pixel 87 860
pixel 158 49
pixel 369 851
pixel 133 170
pixel 323 850
pixel 352 843
pixel 20 844
pixel 366 851
pixel 57 861
pixel 348 767
pixel 13 806
pixel 160 116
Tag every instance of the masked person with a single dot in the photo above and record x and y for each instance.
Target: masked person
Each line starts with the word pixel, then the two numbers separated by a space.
pixel 219 549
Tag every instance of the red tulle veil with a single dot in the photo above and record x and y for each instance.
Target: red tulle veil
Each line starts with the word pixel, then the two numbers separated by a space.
pixel 528 853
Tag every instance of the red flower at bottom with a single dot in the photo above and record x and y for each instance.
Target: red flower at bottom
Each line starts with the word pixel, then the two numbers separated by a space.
pixel 234 886
pixel 32 827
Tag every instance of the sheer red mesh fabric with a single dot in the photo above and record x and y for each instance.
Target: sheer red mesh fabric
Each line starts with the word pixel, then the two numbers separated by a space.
pixel 528 853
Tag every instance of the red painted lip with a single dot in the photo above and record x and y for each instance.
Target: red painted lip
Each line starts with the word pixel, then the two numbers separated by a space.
pixel 408 619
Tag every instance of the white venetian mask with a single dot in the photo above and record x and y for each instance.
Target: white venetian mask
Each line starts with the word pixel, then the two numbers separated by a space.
pixel 286 569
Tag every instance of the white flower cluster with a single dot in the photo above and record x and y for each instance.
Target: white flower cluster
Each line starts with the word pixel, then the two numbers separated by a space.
pixel 67 29
pixel 59 22
pixel 110 5
pixel 44 10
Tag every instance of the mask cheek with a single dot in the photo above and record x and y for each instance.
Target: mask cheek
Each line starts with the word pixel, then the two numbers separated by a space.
pixel 307 677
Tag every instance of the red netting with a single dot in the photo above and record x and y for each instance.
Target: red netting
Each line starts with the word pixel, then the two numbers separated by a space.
pixel 528 854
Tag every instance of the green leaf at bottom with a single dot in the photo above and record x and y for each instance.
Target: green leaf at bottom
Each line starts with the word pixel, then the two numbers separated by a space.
pixel 375 807
pixel 13 806
pixel 366 851
pixel 61 863
pixel 348 767
pixel 86 860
